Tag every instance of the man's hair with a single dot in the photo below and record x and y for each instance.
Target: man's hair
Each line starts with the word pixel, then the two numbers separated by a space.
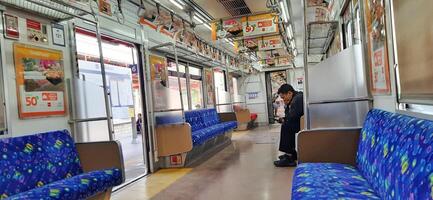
pixel 285 88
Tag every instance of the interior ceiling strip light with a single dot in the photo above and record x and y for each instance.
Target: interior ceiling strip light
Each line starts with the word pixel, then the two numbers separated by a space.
pixel 286 17
pixel 177 4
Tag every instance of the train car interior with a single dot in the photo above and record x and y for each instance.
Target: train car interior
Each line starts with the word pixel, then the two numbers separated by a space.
pixel 216 99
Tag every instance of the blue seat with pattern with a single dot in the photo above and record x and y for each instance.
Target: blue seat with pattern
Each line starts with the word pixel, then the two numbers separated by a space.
pixel 206 124
pixel 394 161
pixel 47 166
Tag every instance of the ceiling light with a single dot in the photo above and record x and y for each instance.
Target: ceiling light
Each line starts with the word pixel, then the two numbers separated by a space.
pixel 289 31
pixel 286 17
pixel 295 52
pixel 228 41
pixel 198 19
pixel 292 43
pixel 207 26
pixel 176 4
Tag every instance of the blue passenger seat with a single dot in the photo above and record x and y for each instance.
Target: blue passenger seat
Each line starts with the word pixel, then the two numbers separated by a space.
pixel 206 124
pixel 47 166
pixel 394 161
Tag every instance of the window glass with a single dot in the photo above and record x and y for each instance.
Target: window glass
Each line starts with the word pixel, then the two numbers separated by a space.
pixel 172 67
pixel 196 94
pixel 174 84
pixel 220 80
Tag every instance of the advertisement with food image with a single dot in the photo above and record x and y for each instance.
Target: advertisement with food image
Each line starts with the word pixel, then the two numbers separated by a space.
pixel 40 81
pixel 271 42
pixel 259 25
pixel 228 28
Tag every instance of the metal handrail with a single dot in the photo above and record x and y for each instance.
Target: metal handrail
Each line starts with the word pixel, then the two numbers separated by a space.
pixel 168 110
pixel 341 100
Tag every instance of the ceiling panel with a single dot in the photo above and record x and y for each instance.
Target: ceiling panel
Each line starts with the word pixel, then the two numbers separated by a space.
pixel 213 7
pixel 257 5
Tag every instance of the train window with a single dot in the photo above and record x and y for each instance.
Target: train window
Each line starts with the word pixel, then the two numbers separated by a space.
pixel 421 108
pixel 174 84
pixel 196 86
pixel 220 80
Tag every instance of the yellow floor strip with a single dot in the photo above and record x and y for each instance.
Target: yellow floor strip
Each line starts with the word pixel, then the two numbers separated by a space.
pixel 240 133
pixel 152 185
pixel 163 179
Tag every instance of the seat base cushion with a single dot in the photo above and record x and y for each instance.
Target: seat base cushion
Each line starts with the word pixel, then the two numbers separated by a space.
pixel 77 187
pixel 330 181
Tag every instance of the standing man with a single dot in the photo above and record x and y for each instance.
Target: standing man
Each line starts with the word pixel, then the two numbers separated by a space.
pixel 294 102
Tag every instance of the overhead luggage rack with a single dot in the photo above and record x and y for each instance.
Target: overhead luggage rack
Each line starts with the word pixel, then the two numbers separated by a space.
pixel 185 53
pixel 58 10
pixel 320 35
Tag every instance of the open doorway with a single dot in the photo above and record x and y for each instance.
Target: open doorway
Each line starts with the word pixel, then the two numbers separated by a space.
pixel 125 98
pixel 275 104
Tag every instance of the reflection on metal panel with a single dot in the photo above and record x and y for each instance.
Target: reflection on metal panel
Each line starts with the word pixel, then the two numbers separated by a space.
pixel 339 77
pixel 349 114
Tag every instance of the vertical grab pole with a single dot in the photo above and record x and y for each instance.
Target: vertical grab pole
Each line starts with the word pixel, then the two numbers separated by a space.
pixel 178 81
pixel 104 81
pixel 306 109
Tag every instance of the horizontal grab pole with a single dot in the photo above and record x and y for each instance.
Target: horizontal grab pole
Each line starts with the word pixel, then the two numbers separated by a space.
pixel 168 110
pixel 341 100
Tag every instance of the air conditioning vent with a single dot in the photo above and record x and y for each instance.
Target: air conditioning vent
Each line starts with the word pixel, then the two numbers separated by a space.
pixel 235 7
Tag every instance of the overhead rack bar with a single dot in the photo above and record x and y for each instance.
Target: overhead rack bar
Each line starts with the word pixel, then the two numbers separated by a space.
pixel 185 53
pixel 53 9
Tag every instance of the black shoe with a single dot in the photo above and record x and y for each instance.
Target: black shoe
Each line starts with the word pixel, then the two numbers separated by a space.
pixel 284 157
pixel 287 156
pixel 285 163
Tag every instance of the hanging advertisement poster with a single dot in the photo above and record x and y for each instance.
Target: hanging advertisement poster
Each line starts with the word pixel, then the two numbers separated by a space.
pixel 283 61
pixel 377 47
pixel 158 69
pixel 271 42
pixel 148 17
pixel 259 25
pixel 11 27
pixel 36 32
pixel 105 7
pixel 40 81
pixel 210 90
pixel 227 28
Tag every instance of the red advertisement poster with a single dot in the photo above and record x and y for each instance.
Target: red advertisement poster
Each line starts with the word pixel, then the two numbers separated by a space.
pixel 40 81
pixel 377 47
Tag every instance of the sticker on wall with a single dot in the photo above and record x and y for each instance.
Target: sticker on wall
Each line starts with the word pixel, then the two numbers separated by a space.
pixel 40 81
pixel 11 27
pixel 36 32
pixel 105 7
pixel 58 34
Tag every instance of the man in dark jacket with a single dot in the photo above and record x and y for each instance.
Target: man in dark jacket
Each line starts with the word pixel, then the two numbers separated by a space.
pixel 291 125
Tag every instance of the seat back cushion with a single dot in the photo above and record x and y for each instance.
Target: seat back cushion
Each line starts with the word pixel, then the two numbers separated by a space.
pixel 395 155
pixel 33 161
pixel 210 117
pixel 194 119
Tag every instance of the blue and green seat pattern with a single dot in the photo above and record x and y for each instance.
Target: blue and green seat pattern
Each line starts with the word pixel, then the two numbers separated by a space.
pixel 47 166
pixel 394 161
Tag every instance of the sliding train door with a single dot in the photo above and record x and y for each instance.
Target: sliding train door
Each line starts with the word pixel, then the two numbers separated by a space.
pixel 125 103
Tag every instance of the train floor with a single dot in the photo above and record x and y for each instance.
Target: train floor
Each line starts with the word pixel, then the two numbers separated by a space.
pixel 243 170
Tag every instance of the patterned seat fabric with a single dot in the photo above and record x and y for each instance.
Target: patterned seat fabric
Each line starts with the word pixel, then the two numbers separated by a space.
pixel 205 124
pixel 78 187
pixel 330 181
pixel 395 155
pixel 394 159
pixel 35 161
